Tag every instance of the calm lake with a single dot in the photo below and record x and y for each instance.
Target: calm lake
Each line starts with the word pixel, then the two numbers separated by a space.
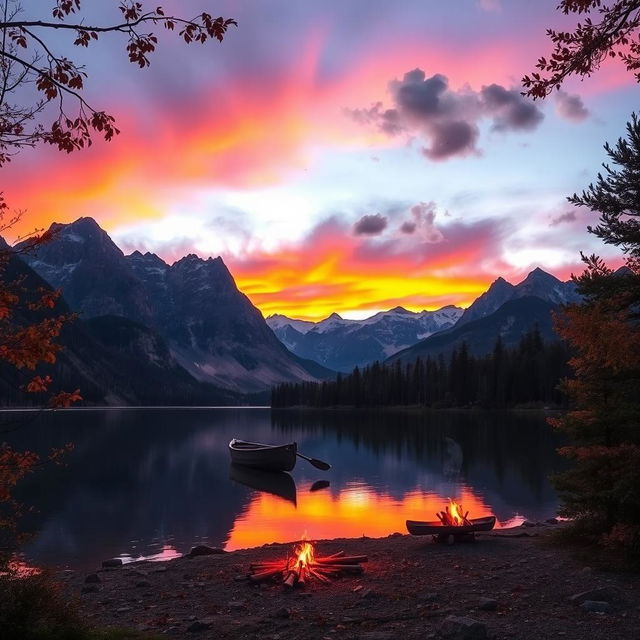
pixel 154 482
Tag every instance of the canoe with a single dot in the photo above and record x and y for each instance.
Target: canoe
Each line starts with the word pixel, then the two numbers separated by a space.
pixel 277 483
pixel 270 457
pixel 418 528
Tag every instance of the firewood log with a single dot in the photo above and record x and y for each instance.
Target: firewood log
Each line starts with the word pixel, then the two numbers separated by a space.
pixel 338 554
pixel 319 576
pixel 265 575
pixel 291 578
pixel 346 568
pixel 342 560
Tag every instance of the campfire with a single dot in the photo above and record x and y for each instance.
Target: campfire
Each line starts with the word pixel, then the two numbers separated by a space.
pixel 302 565
pixel 453 516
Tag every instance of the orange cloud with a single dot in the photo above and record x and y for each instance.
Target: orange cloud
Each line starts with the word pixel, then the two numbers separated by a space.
pixel 333 270
pixel 248 131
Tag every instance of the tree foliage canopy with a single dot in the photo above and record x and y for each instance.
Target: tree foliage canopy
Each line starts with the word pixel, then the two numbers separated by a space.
pixel 30 60
pixel 601 490
pixel 608 30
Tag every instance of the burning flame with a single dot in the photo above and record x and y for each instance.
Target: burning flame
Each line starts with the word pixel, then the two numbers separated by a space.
pixel 304 554
pixel 456 512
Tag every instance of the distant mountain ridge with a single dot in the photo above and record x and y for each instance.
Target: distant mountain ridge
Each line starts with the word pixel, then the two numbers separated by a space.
pixel 342 344
pixel 212 330
pixel 538 283
pixel 504 310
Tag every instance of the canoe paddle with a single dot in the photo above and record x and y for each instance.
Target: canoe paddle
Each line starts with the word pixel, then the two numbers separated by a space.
pixel 318 464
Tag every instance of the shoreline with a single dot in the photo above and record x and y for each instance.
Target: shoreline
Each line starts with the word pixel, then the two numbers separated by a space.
pixel 510 582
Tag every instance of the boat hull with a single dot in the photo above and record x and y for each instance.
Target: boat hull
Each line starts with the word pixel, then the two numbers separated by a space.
pixel 419 528
pixel 266 457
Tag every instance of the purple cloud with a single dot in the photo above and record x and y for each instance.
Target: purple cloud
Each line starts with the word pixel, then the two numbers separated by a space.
pixel 569 216
pixel 371 225
pixel 570 107
pixel 448 120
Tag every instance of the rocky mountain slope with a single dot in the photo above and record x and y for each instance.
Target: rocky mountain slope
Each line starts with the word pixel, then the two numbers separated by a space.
pixel 212 330
pixel 112 360
pixel 504 310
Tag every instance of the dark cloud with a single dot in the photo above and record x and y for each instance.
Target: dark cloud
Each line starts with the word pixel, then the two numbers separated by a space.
pixel 449 139
pixel 448 120
pixel 570 107
pixel 371 225
pixel 423 222
pixel 510 109
pixel 569 216
pixel 408 227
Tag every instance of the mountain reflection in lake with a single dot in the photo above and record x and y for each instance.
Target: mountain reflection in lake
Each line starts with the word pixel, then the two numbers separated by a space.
pixel 153 482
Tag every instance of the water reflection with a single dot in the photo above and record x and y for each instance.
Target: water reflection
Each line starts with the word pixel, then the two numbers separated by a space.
pixel 144 483
pixel 277 483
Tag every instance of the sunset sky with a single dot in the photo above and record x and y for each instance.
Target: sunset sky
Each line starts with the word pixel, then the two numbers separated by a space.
pixel 344 155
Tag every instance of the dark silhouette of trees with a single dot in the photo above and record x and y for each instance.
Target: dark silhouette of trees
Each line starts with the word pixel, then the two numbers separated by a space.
pixel 608 30
pixel 602 489
pixel 526 374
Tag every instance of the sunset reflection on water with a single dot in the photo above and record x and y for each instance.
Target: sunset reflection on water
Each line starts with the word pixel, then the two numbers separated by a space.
pixel 356 510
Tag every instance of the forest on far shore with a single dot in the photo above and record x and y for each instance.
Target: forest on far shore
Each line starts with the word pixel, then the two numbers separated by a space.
pixel 529 373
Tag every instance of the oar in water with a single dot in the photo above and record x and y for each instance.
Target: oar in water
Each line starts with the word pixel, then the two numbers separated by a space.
pixel 318 464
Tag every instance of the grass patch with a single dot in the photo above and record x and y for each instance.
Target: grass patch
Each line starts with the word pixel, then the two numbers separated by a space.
pixel 36 608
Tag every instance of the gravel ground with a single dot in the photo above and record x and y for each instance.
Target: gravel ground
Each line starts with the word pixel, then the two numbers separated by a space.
pixel 509 582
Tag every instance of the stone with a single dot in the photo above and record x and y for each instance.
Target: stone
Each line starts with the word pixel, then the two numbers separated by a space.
pixel 608 594
pixel 236 604
pixel 283 613
pixel 90 588
pixel 199 625
pixel 112 562
pixel 552 521
pixel 528 523
pixel 92 578
pixel 204 550
pixel 462 628
pixel 595 606
pixel 367 593
pixel 123 609
pixel 429 597
pixel 488 604
pixel 141 584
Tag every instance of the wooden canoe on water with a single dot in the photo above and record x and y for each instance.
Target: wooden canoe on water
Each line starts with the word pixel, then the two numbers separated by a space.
pixel 436 528
pixel 269 457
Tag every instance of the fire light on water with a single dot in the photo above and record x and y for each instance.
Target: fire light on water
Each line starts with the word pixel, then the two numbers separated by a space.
pixel 351 512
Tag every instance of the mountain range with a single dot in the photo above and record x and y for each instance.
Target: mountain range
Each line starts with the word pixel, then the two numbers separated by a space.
pixel 153 333
pixel 342 344
pixel 504 310
pixel 189 315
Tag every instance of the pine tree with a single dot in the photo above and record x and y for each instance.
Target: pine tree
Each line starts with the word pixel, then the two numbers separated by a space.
pixel 602 490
